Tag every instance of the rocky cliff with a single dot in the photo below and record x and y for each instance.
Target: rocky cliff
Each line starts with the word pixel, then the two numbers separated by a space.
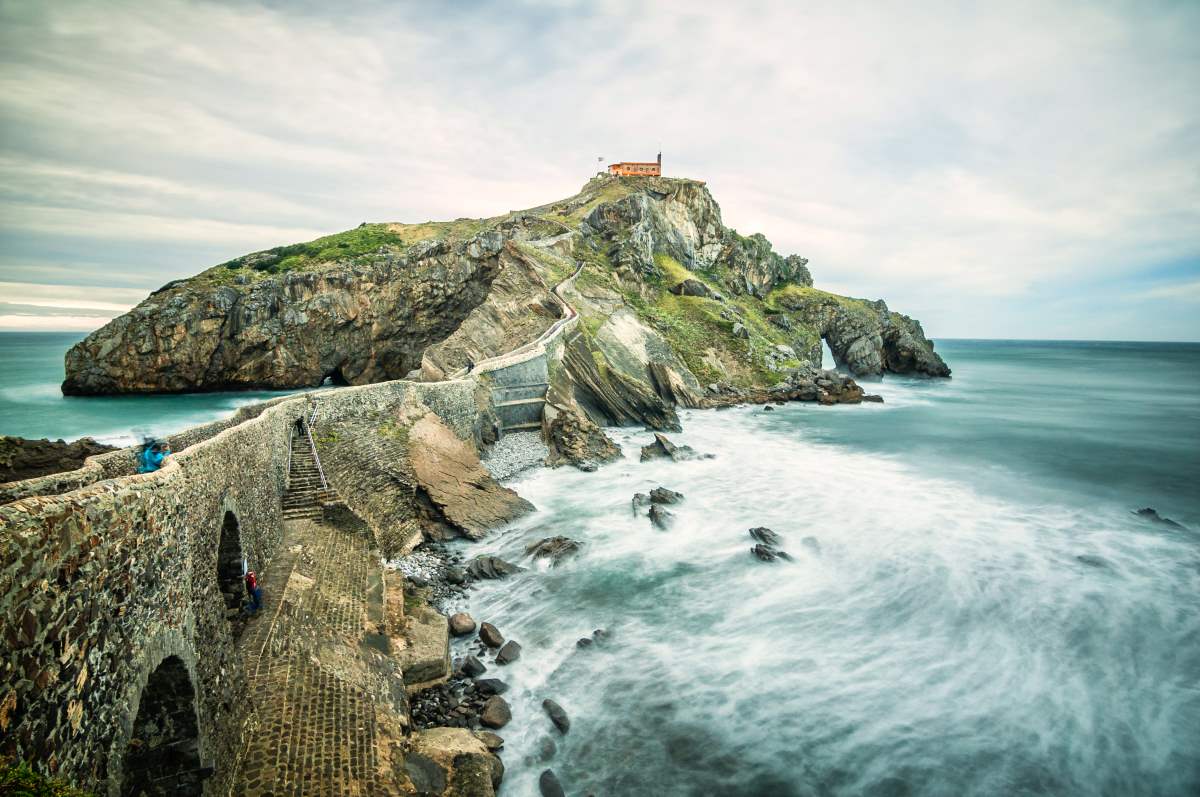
pixel 674 305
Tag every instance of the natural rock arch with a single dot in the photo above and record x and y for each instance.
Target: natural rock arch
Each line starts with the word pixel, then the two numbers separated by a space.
pixel 163 756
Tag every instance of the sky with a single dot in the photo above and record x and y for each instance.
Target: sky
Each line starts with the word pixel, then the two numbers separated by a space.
pixel 1004 170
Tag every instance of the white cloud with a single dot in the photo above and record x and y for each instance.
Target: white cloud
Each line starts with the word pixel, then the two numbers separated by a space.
pixel 934 154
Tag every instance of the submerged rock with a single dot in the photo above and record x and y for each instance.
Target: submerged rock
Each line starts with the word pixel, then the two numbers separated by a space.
pixel 811 544
pixel 660 517
pixel 764 534
pixel 491 567
pixel 557 715
pixel 1151 514
pixel 640 500
pixel 1091 560
pixel 553 548
pixel 549 785
pixel 490 740
pixel 661 495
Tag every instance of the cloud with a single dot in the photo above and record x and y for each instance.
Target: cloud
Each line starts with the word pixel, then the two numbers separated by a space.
pixel 1178 292
pixel 943 156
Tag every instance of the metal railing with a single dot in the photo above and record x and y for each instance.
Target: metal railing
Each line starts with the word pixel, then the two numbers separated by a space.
pixel 313 444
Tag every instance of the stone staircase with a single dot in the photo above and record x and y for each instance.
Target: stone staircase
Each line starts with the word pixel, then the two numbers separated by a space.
pixel 304 494
pixel 520 406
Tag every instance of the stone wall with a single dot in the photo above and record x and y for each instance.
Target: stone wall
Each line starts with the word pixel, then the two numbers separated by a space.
pixel 99 586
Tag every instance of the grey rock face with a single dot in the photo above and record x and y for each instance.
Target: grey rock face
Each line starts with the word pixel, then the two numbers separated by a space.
pixel 355 323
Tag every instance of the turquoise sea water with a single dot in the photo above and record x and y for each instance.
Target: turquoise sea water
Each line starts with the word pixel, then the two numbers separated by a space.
pixel 32 405
pixel 938 633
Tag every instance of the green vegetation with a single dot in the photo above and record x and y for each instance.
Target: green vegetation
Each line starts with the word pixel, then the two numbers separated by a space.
pixel 19 780
pixel 340 247
pixel 394 431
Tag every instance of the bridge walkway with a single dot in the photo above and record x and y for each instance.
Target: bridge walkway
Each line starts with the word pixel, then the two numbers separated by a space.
pixel 317 723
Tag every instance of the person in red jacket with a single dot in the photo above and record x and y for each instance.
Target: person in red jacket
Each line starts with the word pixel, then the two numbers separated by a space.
pixel 254 591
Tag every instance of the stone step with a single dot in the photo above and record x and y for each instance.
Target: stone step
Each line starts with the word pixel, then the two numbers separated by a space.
pixel 519 402
pixel 517 427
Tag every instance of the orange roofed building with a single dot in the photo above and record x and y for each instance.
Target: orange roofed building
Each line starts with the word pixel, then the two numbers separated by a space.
pixel 633 169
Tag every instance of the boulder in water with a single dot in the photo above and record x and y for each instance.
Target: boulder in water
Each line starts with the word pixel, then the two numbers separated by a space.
pixel 662 448
pixel 496 713
pixel 490 686
pixel 549 785
pixel 490 635
pixel 553 548
pixel 764 534
pixel 811 544
pixel 472 667
pixel 557 715
pixel 461 624
pixel 661 495
pixel 491 567
pixel 640 500
pixel 509 652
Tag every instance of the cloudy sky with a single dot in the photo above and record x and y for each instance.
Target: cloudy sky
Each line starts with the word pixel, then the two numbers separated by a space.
pixel 995 169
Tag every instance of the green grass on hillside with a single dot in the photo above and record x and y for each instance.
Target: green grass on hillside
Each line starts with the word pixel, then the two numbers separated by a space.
pixel 19 780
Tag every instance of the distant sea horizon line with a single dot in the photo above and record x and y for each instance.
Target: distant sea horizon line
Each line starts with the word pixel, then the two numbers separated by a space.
pixel 936 338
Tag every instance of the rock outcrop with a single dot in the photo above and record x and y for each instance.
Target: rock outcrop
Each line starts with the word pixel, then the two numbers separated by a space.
pixel 25 459
pixel 669 298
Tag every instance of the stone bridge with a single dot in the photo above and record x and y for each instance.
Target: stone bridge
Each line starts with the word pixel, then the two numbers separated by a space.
pixel 125 661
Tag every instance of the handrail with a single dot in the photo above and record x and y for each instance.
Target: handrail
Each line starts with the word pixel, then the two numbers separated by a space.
pixel 553 330
pixel 287 479
pixel 313 444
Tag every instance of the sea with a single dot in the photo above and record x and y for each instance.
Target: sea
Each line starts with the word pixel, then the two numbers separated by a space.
pixel 971 606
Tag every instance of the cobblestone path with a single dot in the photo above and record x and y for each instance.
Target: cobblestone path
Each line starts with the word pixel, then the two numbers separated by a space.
pixel 326 701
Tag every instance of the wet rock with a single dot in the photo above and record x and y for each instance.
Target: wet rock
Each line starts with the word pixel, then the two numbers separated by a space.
pixel 576 440
pixel 461 624
pixel 472 667
pixel 490 635
pixel 557 715
pixel 426 774
pixel 600 635
pixel 497 770
pixel 1151 514
pixel 764 534
pixel 553 548
pixel 769 553
pixel 660 517
pixel 490 686
pixel 491 567
pixel 811 544
pixel 456 575
pixel 546 749
pixel 549 785
pixel 661 495
pixel 663 448
pixel 491 741
pixel 496 713
pixel 509 653
pixel 640 500
pixel 768 408
pixel 584 642
pixel 872 398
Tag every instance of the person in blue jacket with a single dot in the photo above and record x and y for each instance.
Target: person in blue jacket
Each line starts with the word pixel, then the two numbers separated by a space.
pixel 152 457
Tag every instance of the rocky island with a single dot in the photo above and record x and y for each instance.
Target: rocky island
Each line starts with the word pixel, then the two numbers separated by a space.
pixel 444 342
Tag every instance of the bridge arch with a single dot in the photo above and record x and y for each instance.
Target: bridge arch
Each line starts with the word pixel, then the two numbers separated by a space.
pixel 161 748
pixel 231 562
